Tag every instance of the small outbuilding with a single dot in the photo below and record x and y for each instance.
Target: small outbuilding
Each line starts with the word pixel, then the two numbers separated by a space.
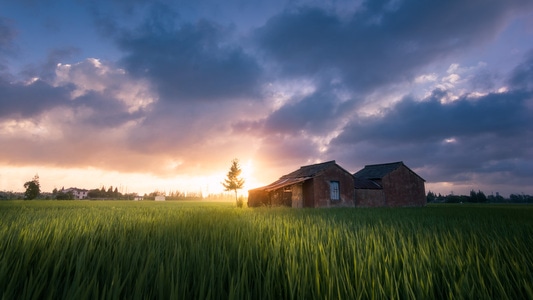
pixel 390 184
pixel 320 185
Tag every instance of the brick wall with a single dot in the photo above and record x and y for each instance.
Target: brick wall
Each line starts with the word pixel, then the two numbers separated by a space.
pixel 403 188
pixel 369 198
pixel 322 186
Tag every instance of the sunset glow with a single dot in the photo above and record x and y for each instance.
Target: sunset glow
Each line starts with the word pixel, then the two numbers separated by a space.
pixel 161 96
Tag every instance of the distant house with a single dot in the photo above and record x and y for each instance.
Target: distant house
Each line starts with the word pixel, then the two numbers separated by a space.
pixel 138 198
pixel 160 198
pixel 319 185
pixel 329 185
pixel 76 192
pixel 390 184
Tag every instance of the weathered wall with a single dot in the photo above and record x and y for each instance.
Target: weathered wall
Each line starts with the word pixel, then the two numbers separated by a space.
pixel 369 198
pixel 286 196
pixel 258 198
pixel 403 188
pixel 281 197
pixel 297 195
pixel 322 192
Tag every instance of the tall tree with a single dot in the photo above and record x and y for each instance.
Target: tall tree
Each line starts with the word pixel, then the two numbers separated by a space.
pixel 33 188
pixel 233 181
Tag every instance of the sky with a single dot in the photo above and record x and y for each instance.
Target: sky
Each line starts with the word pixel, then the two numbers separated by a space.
pixel 163 95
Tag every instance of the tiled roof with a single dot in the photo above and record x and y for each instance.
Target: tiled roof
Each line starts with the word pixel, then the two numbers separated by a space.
pixel 282 183
pixel 300 175
pixel 377 171
pixel 309 171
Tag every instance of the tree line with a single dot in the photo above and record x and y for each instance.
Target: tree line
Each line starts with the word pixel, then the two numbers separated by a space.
pixel 33 191
pixel 233 182
pixel 173 195
pixel 478 197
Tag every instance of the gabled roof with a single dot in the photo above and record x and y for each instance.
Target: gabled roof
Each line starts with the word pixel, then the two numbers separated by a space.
pixel 300 175
pixel 379 171
pixel 310 170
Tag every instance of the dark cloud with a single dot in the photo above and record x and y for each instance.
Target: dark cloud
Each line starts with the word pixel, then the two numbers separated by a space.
pixel 55 129
pixel 193 62
pixel 302 42
pixel 108 112
pixel 46 71
pixel 486 139
pixel 384 42
pixel 317 114
pixel 503 114
pixel 21 101
pixel 28 100
pixel 7 35
pixel 78 87
pixel 484 80
pixel 7 46
pixel 522 76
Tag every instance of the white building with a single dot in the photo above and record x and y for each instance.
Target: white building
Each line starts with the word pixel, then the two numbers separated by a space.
pixel 78 193
pixel 160 198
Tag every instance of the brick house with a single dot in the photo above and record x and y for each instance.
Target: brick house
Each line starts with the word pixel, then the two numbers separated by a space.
pixel 320 185
pixel 391 184
pixel 329 185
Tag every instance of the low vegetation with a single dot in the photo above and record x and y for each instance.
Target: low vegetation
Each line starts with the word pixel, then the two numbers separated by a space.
pixel 118 249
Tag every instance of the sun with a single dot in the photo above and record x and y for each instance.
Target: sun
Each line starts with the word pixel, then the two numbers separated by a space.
pixel 212 184
pixel 251 179
pixel 247 173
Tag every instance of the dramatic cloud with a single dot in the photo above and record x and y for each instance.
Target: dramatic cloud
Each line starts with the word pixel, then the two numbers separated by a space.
pixel 383 42
pixel 173 90
pixel 7 35
pixel 317 114
pixel 86 111
pixel 95 114
pixel 194 62
pixel 522 77
pixel 29 99
pixel 467 139
pixel 431 120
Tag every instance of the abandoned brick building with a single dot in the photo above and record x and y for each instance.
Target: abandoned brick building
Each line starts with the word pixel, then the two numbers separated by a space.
pixel 391 184
pixel 320 185
pixel 329 185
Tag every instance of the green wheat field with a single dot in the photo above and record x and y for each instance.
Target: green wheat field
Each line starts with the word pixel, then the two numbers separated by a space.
pixel 187 250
